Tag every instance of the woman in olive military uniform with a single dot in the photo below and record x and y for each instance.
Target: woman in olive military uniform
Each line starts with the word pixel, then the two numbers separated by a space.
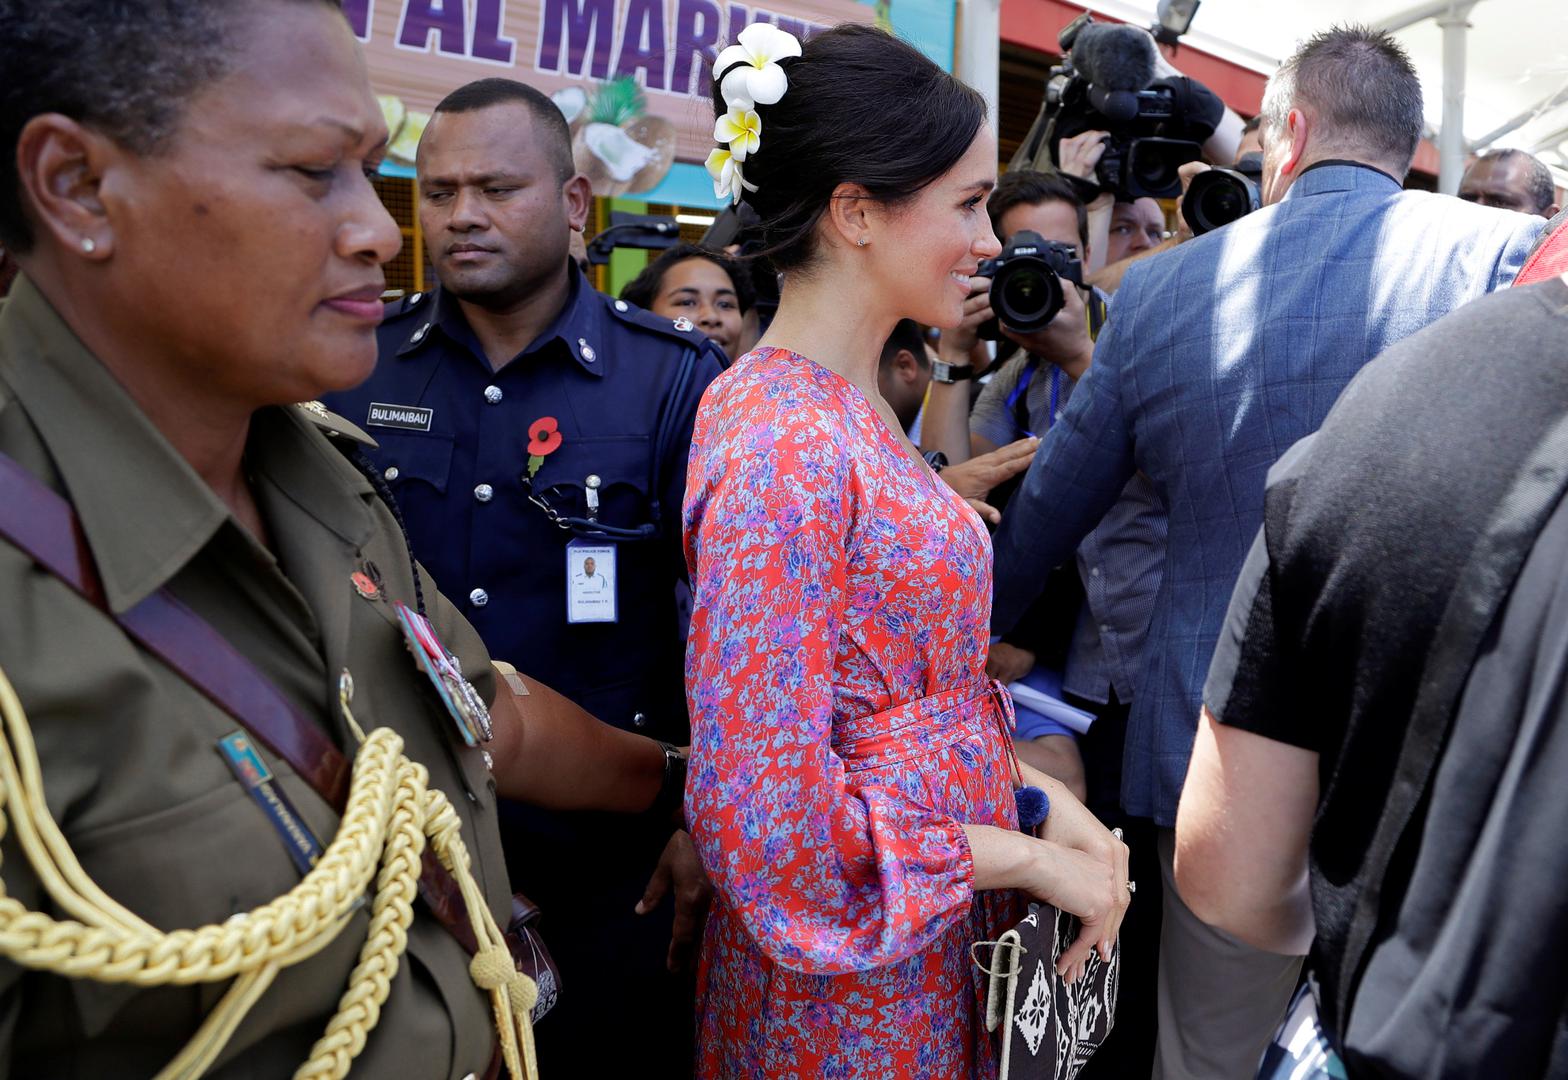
pixel 184 186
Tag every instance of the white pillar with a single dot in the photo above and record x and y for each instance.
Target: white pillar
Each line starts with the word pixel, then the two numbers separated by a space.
pixel 977 52
pixel 1451 139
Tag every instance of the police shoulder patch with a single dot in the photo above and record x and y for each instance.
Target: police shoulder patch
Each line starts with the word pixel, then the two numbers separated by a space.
pixel 679 329
pixel 398 306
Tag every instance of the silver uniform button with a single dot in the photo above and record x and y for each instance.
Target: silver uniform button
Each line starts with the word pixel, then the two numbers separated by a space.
pixel 593 481
pixel 391 472
pixel 419 334
pixel 621 305
pixel 484 492
pixel 586 350
pixel 416 298
pixel 493 395
pixel 479 598
pixel 640 720
pixel 683 324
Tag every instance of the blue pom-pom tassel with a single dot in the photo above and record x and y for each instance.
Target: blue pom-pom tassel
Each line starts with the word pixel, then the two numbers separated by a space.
pixel 1034 806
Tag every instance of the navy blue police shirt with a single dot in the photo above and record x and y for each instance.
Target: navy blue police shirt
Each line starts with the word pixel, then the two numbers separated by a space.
pixel 454 439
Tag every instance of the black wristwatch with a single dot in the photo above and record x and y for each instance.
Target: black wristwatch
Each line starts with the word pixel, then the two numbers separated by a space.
pixel 943 372
pixel 672 789
pixel 936 459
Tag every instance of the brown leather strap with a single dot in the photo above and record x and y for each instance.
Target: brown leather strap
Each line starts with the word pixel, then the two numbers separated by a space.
pixel 42 523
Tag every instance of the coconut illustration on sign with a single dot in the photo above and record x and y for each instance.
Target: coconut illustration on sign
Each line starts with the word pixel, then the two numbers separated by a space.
pixel 405 126
pixel 573 103
pixel 615 143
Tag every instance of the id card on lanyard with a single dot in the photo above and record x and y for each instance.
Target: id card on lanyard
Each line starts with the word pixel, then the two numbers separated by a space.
pixel 591 582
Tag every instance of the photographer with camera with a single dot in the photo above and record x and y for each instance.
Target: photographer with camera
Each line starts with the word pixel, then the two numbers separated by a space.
pixel 1128 129
pixel 1091 628
pixel 1037 212
pixel 1047 207
pixel 1119 229
pixel 1223 353
pixel 1040 214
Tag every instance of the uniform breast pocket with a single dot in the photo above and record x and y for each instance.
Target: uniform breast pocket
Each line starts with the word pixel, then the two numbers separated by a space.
pixel 185 866
pixel 614 472
pixel 415 459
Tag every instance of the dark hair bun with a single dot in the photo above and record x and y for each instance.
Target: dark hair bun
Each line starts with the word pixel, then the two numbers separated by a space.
pixel 862 108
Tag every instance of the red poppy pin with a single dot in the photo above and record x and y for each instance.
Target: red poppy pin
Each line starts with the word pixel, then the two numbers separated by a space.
pixel 365 585
pixel 544 439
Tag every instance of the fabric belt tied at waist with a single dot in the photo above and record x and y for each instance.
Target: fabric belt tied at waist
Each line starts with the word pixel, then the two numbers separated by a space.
pixel 923 726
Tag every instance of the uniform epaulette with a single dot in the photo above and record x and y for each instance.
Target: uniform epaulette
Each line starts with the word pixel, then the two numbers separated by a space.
pixel 402 305
pixel 682 329
pixel 332 425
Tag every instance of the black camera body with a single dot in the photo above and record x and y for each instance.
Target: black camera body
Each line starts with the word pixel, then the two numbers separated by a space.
pixel 1025 291
pixel 1106 82
pixel 1219 196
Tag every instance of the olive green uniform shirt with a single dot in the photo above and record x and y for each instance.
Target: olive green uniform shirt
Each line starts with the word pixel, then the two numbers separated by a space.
pixel 129 752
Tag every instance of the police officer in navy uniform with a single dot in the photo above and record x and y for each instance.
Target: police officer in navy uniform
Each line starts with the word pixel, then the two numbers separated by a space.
pixel 525 423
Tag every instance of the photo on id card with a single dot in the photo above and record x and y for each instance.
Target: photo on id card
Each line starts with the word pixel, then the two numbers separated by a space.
pixel 590 582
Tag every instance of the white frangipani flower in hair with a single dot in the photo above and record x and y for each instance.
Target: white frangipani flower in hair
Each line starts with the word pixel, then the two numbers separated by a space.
pixel 758 80
pixel 741 130
pixel 728 181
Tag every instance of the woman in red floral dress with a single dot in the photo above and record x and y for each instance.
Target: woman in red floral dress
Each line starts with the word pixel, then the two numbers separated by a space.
pixel 851 787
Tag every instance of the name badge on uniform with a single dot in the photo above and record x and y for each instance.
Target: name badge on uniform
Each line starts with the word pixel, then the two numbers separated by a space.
pixel 252 772
pixel 445 671
pixel 407 417
pixel 590 582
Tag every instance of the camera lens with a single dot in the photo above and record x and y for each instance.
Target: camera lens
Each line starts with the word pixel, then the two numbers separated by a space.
pixel 1027 298
pixel 1155 172
pixel 1218 197
pixel 1222 202
pixel 1153 164
pixel 1023 293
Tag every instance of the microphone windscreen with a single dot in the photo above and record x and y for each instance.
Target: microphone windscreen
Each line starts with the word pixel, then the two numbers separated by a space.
pixel 1112 56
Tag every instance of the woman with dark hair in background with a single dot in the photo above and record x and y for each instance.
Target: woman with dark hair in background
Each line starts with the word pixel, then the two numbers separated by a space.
pixel 690 282
pixel 851 788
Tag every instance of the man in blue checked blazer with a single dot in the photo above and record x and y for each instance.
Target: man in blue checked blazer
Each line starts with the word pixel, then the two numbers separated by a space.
pixel 1217 357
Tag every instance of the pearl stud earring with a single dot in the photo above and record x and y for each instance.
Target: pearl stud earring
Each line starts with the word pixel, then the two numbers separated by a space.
pixel 88 245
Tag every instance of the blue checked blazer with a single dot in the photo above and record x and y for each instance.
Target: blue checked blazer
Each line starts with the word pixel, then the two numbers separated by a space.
pixel 1218 356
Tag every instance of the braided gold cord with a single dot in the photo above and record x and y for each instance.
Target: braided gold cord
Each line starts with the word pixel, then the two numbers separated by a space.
pixel 360 1006
pixel 391 811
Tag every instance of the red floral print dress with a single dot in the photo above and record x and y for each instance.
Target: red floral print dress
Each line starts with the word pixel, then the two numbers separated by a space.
pixel 843 731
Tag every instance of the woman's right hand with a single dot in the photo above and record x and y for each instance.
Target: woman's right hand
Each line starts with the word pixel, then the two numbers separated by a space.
pixel 1090 885
pixel 1084 885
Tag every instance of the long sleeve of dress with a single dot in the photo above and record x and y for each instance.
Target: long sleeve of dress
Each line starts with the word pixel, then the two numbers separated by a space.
pixel 828 876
